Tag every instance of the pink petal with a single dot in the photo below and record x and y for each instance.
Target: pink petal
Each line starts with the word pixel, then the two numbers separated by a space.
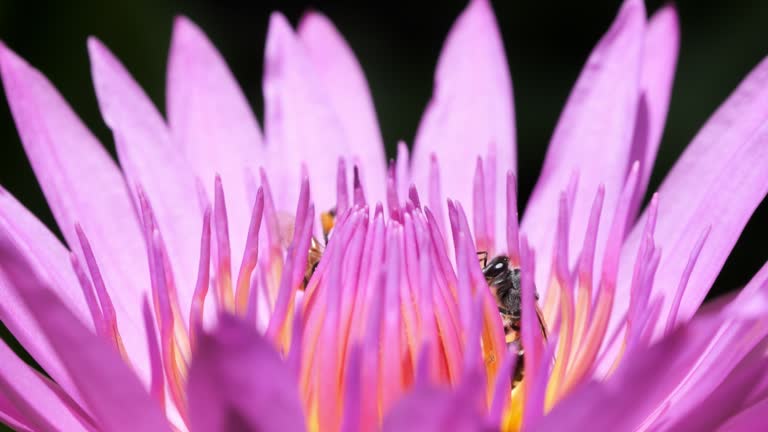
pixel 300 122
pixel 723 380
pixel 33 395
pixel 429 409
pixel 151 162
pixel 238 382
pixel 662 43
pixel 471 112
pixel 346 88
pixel 11 417
pixel 751 419
pixel 717 182
pixel 112 393
pixel 592 139
pixel 43 251
pixel 82 185
pixel 609 405
pixel 211 122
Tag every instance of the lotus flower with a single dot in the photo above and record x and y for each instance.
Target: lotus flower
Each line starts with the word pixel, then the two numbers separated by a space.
pixel 183 299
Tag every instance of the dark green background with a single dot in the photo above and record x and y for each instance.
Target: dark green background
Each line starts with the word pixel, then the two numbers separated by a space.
pixel 397 43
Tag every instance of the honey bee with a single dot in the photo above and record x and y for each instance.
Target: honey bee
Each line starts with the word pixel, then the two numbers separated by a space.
pixel 316 248
pixel 504 283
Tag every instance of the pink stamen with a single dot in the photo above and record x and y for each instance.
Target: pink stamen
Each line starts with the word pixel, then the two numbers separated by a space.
pixel 342 191
pixel 297 333
pixel 107 309
pixel 392 369
pixel 328 381
pixel 585 272
pixel 490 194
pixel 409 262
pixel 224 295
pixel 359 196
pixel 501 393
pixel 157 381
pixel 270 214
pixel 534 402
pixel 352 259
pixel 371 374
pixel 531 336
pixel 567 306
pixel 513 230
pixel 672 316
pixel 607 287
pixel 446 270
pixel 353 391
pixel 250 254
pixel 373 254
pixel 203 279
pixel 413 195
pixel 464 286
pixel 90 298
pixel 175 370
pixel 428 327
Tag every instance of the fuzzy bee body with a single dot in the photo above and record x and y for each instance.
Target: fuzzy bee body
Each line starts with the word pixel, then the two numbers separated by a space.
pixel 504 282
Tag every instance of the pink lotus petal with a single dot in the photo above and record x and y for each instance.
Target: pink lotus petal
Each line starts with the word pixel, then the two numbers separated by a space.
pixel 471 113
pixel 82 185
pixel 592 138
pixel 42 250
pixel 152 163
pixel 603 405
pixel 111 392
pixel 749 420
pixel 344 84
pixel 429 409
pixel 238 382
pixel 211 122
pixel 718 181
pixel 300 123
pixel 727 400
pixel 662 43
pixel 11 417
pixel 723 379
pixel 33 396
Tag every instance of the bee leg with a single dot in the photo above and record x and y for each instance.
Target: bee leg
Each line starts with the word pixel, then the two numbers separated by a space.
pixel 483 257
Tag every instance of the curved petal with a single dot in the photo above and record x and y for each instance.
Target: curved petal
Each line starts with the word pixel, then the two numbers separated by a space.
pixel 694 351
pixel 347 90
pixel 300 124
pixel 471 112
pixel 10 416
pixel 428 409
pixel 42 251
pixel 151 162
pixel 238 382
pixel 34 396
pixel 592 139
pixel 751 419
pixel 717 182
pixel 211 122
pixel 111 391
pixel 662 43
pixel 82 185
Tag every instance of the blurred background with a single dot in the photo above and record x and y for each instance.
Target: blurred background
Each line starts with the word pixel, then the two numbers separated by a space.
pixel 397 44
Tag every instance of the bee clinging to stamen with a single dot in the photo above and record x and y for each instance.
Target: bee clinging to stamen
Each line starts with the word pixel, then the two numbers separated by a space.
pixel 504 282
pixel 316 248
